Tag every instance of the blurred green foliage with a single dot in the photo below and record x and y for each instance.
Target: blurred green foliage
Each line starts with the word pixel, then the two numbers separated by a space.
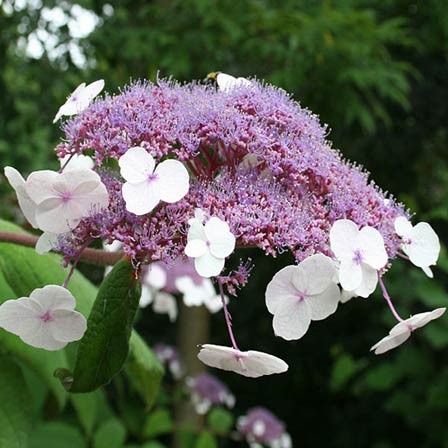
pixel 375 71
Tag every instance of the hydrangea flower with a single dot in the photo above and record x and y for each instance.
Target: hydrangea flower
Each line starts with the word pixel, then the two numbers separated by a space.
pixel 209 245
pixel 72 162
pixel 164 303
pixel 403 330
pixel 207 391
pixel 80 99
pixel 361 254
pixel 146 185
pixel 252 363
pixel 228 82
pixel 169 356
pixel 260 427
pixel 299 294
pixel 46 319
pixel 420 243
pixel 62 200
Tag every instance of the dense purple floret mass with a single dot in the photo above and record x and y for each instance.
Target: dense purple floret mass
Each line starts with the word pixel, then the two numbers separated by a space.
pixel 256 158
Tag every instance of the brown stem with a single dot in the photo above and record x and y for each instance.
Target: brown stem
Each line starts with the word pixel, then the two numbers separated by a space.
pixel 91 256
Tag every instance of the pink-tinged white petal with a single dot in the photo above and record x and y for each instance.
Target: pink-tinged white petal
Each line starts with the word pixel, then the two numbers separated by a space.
pixel 136 165
pixel 343 238
pixel 428 272
pixel 20 316
pixel 424 248
pixel 222 241
pixel 26 204
pixel 173 180
pixel 46 242
pixel 252 363
pixel 347 295
pixel 40 185
pixel 402 226
pixel 292 319
pixel 67 326
pixel 165 303
pixel 422 319
pixel 195 248
pixel 393 340
pixel 208 266
pixel 350 274
pixel 314 274
pixel 373 250
pixel 141 198
pixel 281 288
pixel 55 216
pixel 324 304
pixel 54 297
pixel 72 162
pixel 368 283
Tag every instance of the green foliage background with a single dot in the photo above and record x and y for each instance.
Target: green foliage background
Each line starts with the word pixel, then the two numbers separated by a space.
pixel 375 71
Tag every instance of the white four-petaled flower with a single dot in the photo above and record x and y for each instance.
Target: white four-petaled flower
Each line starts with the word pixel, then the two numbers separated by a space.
pixel 47 319
pixel 209 244
pixel 252 364
pixel 80 99
pixel 361 254
pixel 403 330
pixel 299 294
pixel 63 199
pixel 420 243
pixel 146 185
pixel 228 82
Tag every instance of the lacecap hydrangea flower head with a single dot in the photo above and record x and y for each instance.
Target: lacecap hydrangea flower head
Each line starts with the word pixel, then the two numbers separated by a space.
pixel 198 171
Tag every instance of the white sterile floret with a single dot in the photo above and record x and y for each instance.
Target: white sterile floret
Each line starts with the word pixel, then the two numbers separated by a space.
pixel 361 254
pixel 146 185
pixel 63 199
pixel 252 364
pixel 209 245
pixel 47 319
pixel 403 330
pixel 79 99
pixel 296 295
pixel 72 162
pixel 165 303
pixel 26 204
pixel 420 243
pixel 199 294
pixel 228 82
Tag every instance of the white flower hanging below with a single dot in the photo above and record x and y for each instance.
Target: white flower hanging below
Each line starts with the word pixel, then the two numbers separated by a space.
pixel 403 330
pixel 47 319
pixel 361 254
pixel 299 294
pixel 209 245
pixel 146 185
pixel 420 243
pixel 251 363
pixel 80 99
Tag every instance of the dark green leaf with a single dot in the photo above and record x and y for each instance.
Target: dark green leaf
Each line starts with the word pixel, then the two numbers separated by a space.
pixel 158 422
pixel 56 435
pixel 111 434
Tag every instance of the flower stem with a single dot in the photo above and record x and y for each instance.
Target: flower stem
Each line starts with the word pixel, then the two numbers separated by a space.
pixel 227 316
pixel 65 163
pixel 388 299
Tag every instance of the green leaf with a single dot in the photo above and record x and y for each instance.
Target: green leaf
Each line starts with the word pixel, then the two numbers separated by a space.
pixel 206 440
pixel 220 420
pixel 111 434
pixel 15 418
pixel 105 345
pixel 56 435
pixel 158 422
pixel 87 408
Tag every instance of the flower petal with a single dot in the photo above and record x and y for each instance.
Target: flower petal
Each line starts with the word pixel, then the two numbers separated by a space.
pixel 392 341
pixel 146 297
pixel 27 205
pixel 20 316
pixel 222 241
pixel 208 266
pixel 136 165
pixel 46 242
pixel 403 227
pixel 55 216
pixel 281 288
pixel 350 275
pixel 165 303
pixel 343 238
pixel 195 248
pixel 54 297
pixel 196 231
pixel 368 283
pixel 93 89
pixel 67 326
pixel 173 180
pixel 421 319
pixel 292 319
pixel 324 304
pixel 373 250
pixel 39 185
pixel 314 275
pixel 156 276
pixel 425 245
pixel 141 198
